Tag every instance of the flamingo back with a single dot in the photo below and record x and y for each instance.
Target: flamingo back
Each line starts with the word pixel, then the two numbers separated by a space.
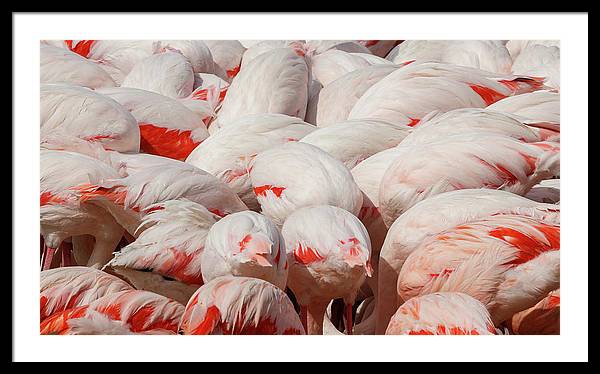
pixel 240 306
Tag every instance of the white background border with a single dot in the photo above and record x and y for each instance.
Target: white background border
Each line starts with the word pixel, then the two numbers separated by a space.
pixel 571 29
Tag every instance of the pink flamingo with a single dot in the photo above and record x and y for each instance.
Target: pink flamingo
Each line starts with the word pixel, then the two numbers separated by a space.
pixel 264 46
pixel 240 306
pixel 328 66
pixel 195 51
pixel 228 153
pixel 337 99
pixel 59 65
pixel 167 127
pixel 71 111
pixel 122 313
pixel 296 175
pixel 487 161
pixel 273 82
pixel 166 257
pixel 168 73
pixel 245 244
pixel 442 313
pixel 66 288
pixel 438 126
pixel 329 253
pixel 489 55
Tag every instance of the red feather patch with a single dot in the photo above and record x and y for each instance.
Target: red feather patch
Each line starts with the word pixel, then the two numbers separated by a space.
pixel 165 142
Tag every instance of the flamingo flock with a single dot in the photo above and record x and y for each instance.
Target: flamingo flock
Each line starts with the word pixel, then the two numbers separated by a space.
pixel 300 187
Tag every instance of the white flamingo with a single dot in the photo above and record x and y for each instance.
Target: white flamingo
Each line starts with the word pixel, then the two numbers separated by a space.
pixel 245 244
pixel 329 253
pixel 72 111
pixel 296 175
pixel 227 154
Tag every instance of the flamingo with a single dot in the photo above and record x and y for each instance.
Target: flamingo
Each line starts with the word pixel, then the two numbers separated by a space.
pixel 227 154
pixel 259 47
pixel 167 127
pixel 353 141
pixel 165 258
pixel 508 261
pixel 66 288
pixel 74 111
pixel 121 313
pixel 547 191
pixel 195 51
pixel 168 73
pixel 59 65
pixel 265 46
pixel 245 244
pixel 227 56
pixel 274 82
pixel 63 215
pixel 489 55
pixel 333 64
pixel 442 313
pixel 329 253
pixel 116 57
pixel 438 126
pixel 240 306
pixel 539 61
pixel 129 199
pixel 295 175
pixel 487 161
pixel 411 92
pixel 426 219
pixel 543 318
pixel 539 109
pixel 337 99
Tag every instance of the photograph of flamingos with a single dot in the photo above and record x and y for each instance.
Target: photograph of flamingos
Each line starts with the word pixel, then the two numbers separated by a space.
pixel 299 187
